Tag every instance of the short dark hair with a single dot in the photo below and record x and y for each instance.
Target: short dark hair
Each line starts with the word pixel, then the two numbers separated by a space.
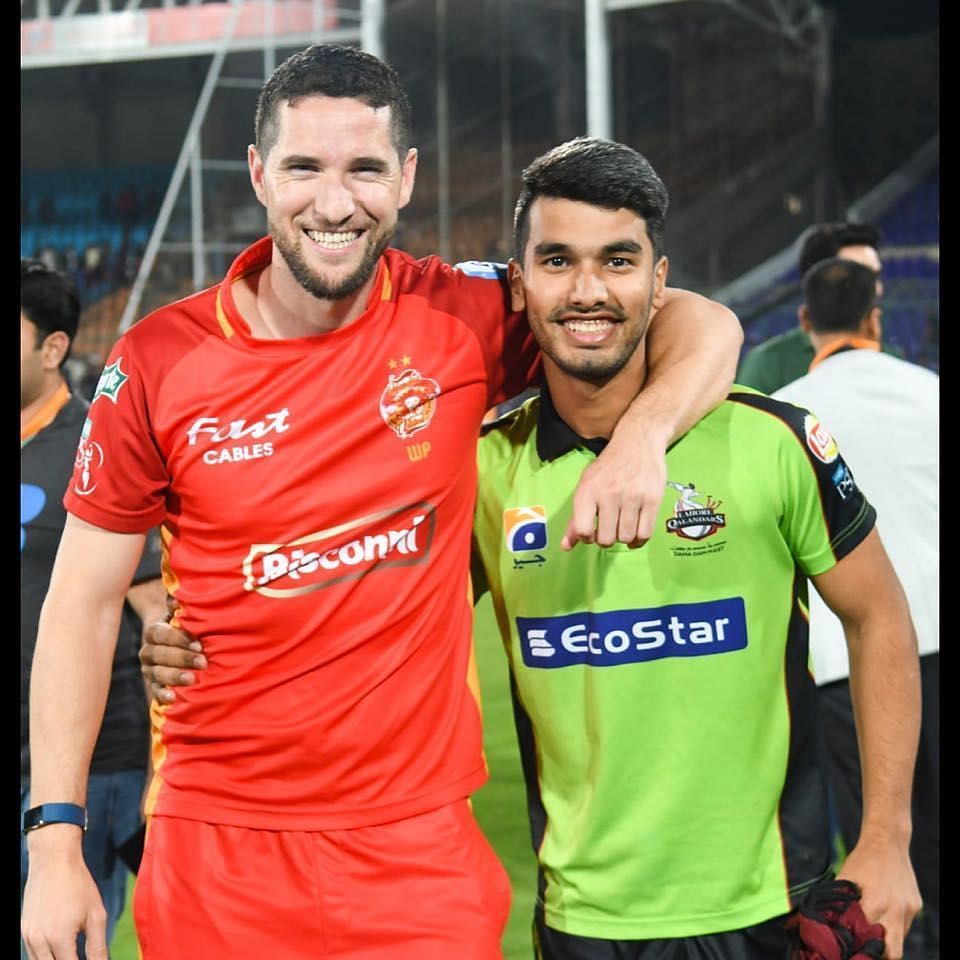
pixel 838 294
pixel 333 70
pixel 596 171
pixel 825 240
pixel 50 300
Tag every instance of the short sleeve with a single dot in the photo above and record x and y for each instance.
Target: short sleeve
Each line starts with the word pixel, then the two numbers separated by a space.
pixel 826 514
pixel 119 477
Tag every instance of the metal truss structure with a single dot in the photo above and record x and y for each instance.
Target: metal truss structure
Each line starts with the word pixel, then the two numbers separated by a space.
pixel 58 33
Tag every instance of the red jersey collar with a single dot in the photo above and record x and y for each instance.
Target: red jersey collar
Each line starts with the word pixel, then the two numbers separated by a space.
pixel 256 257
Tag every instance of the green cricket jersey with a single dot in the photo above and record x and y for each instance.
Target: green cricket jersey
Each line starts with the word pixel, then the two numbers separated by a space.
pixel 662 695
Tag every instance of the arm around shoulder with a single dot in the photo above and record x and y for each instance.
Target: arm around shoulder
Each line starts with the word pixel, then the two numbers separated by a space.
pixel 693 345
pixel 692 348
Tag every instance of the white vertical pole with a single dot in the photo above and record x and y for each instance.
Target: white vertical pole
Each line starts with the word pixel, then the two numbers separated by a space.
pixel 371 27
pixel 599 122
pixel 196 214
pixel 173 188
pixel 443 135
pixel 506 133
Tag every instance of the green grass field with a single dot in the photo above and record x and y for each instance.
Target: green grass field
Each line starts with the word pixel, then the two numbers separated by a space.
pixel 500 805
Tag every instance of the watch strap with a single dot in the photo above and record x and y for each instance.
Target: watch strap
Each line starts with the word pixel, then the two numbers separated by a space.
pixel 48 813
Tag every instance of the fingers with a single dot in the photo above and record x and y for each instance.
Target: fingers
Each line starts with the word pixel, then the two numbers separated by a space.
pixel 608 525
pixel 39 950
pixel 629 532
pixel 56 946
pixel 96 927
pixel 638 515
pixel 161 693
pixel 61 901
pixel 597 518
pixel 166 666
pixel 630 522
pixel 636 521
pixel 895 930
pixel 895 918
pixel 168 657
pixel 157 655
pixel 160 678
pixel 42 951
pixel 889 893
pixel 892 942
pixel 575 534
pixel 162 634
pixel 617 500
pixel 627 522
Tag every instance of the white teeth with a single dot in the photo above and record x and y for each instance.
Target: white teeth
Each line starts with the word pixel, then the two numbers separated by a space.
pixel 587 326
pixel 333 239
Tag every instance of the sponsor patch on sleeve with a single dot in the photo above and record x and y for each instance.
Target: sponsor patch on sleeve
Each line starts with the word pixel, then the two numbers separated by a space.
pixel 486 269
pixel 111 382
pixel 821 443
pixel 843 480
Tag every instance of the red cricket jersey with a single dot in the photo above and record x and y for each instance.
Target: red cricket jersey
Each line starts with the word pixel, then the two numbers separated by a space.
pixel 316 497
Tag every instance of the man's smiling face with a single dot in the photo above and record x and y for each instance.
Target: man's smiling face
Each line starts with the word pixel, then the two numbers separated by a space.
pixel 332 184
pixel 588 281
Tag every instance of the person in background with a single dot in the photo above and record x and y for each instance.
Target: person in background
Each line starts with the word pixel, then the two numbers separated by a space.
pixel 787 356
pixel 305 433
pixel 884 413
pixel 51 421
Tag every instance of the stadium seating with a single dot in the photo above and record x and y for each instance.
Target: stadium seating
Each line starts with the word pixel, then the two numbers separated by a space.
pixel 90 222
pixel 96 223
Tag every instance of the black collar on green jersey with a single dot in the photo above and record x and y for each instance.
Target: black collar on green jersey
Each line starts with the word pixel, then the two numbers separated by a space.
pixel 555 437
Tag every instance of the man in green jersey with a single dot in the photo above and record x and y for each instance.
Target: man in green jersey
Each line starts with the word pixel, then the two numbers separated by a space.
pixel 787 356
pixel 664 707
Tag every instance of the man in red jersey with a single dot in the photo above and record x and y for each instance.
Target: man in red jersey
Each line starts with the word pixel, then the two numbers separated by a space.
pixel 304 433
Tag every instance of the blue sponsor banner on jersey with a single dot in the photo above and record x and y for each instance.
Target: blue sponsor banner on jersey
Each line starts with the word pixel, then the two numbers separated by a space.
pixel 633 636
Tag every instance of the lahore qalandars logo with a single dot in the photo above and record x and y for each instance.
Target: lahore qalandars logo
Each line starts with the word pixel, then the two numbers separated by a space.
pixel 692 519
pixel 408 402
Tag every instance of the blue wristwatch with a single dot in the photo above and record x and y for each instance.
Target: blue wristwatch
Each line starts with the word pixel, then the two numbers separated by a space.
pixel 48 813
